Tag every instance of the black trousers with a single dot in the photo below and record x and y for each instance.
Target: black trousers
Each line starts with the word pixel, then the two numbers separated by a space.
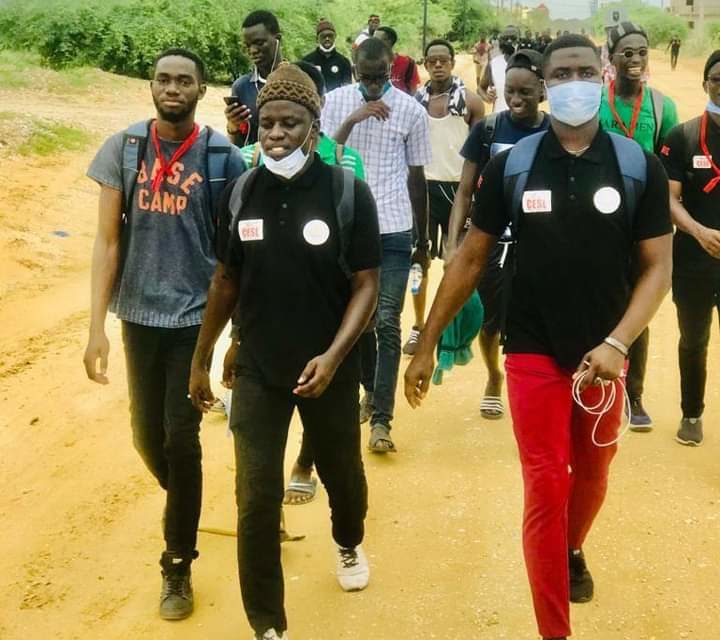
pixel 695 299
pixel 637 365
pixel 260 419
pixel 165 425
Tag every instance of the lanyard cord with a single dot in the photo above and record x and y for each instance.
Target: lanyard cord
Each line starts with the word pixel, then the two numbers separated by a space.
pixel 609 391
pixel 703 145
pixel 629 133
pixel 166 167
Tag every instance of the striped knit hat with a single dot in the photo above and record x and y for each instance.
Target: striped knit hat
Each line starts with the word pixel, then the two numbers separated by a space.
pixel 621 30
pixel 289 82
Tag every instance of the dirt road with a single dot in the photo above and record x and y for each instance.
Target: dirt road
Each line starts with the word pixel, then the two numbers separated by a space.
pixel 81 515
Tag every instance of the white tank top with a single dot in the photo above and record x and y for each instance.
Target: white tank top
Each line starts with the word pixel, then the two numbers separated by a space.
pixel 447 136
pixel 498 66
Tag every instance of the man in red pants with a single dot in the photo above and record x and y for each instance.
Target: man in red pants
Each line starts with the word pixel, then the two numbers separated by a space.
pixel 580 202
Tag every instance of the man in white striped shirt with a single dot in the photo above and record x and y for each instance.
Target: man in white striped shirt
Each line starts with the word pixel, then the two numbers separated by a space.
pixel 390 130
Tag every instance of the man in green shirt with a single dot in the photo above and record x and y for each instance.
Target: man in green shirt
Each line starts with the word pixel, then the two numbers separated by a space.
pixel 631 108
pixel 302 486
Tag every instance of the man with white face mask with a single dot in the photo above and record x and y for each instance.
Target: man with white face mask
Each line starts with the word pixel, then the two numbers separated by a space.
pixel 335 67
pixel 305 289
pixel 571 310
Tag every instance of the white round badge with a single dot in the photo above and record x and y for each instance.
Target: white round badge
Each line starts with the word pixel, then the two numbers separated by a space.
pixel 316 232
pixel 607 200
pixel 334 68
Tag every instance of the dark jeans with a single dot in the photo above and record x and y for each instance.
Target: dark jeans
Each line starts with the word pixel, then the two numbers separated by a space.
pixel 673 59
pixel 166 426
pixel 368 359
pixel 695 299
pixel 260 419
pixel 394 271
pixel 637 358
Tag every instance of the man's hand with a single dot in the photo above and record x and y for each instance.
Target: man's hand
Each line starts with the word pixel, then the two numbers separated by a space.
pixel 199 389
pixel 491 93
pixel 316 377
pixel 709 240
pixel 417 378
pixel 98 348
pixel 602 363
pixel 420 255
pixel 236 115
pixel 374 109
pixel 228 377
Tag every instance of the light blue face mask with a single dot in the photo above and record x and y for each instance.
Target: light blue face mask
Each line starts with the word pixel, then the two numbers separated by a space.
pixel 712 108
pixel 363 91
pixel 574 103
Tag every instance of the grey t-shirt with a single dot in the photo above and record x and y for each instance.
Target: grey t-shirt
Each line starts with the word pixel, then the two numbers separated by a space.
pixel 169 254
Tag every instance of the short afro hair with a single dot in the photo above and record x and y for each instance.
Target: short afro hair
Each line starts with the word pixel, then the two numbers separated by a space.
pixel 391 34
pixel 183 53
pixel 569 41
pixel 373 49
pixel 439 42
pixel 266 18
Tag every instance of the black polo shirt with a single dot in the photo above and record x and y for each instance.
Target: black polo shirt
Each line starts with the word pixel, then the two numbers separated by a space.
pixel 335 68
pixel 571 285
pixel 685 162
pixel 284 249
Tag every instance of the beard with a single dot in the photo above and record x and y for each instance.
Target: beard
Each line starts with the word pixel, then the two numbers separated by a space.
pixel 175 116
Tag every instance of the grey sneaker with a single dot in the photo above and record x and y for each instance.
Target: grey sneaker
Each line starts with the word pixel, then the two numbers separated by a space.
pixel 410 346
pixel 271 634
pixel 690 432
pixel 176 597
pixel 366 407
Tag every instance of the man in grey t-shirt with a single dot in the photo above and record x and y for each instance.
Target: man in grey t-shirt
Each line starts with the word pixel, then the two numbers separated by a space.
pixel 152 263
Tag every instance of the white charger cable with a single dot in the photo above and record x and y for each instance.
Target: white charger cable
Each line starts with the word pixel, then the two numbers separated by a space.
pixel 609 389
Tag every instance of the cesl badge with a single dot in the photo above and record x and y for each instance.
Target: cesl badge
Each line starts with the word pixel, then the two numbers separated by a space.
pixel 334 68
pixel 316 232
pixel 607 200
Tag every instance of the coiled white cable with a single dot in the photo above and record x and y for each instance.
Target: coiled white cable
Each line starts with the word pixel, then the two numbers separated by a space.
pixel 609 389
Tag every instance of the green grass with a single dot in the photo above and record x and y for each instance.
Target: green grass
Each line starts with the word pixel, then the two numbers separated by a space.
pixel 48 138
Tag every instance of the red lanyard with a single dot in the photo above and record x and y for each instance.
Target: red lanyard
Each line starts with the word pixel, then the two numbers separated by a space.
pixel 630 133
pixel 166 167
pixel 703 145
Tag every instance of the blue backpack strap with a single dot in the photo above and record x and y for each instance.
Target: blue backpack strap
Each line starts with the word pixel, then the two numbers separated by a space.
pixel 218 153
pixel 133 150
pixel 633 169
pixel 517 169
pixel 343 181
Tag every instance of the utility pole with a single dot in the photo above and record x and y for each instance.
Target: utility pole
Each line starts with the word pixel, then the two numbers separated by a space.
pixel 424 38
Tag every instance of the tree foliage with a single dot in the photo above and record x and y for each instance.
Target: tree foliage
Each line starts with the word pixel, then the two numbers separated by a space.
pixel 123 36
pixel 660 25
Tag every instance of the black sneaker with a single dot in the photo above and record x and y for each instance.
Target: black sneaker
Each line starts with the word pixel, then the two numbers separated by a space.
pixel 690 432
pixel 640 421
pixel 176 597
pixel 581 582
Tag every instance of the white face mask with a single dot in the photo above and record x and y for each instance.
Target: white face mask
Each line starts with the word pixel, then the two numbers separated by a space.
pixel 574 103
pixel 712 107
pixel 330 49
pixel 289 166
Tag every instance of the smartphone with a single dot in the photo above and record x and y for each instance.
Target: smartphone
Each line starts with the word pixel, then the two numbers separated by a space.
pixel 232 100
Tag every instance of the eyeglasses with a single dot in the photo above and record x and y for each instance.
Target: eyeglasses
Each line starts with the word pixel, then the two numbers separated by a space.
pixel 379 78
pixel 629 53
pixel 433 60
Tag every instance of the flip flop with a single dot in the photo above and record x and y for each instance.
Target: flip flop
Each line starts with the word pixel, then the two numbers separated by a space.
pixel 306 489
pixel 381 434
pixel 492 408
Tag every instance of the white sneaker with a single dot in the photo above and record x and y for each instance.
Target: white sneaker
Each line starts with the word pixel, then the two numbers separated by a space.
pixel 271 634
pixel 353 571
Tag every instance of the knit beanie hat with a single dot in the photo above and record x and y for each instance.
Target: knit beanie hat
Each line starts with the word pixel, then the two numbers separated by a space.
pixel 324 25
pixel 621 30
pixel 289 82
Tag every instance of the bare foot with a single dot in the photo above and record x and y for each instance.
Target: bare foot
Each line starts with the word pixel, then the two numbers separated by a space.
pixel 302 486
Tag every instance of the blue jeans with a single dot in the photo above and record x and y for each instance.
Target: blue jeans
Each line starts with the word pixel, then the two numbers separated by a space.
pixel 394 271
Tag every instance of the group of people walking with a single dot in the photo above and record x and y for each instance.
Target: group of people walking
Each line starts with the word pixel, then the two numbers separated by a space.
pixel 299 229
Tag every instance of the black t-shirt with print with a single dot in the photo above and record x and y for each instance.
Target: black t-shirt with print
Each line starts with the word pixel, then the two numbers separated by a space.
pixel 284 249
pixel 572 281
pixel 686 163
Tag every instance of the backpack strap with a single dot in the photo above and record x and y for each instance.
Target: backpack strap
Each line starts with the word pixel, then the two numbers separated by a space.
pixel 658 105
pixel 133 151
pixel 344 200
pixel 517 169
pixel 490 124
pixel 409 72
pixel 691 136
pixel 256 155
pixel 218 153
pixel 241 190
pixel 633 169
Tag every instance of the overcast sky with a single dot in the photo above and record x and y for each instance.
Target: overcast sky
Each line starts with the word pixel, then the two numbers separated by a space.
pixel 574 8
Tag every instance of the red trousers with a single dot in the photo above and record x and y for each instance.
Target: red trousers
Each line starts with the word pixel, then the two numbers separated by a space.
pixel 565 476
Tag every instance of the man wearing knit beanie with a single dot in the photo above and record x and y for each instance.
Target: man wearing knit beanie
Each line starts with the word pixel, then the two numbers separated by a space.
pixel 305 290
pixel 335 67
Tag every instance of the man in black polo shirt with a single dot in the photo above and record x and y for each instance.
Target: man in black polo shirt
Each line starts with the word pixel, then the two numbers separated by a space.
pixel 572 311
pixel 335 67
pixel 299 317
pixel 263 41
pixel 690 156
